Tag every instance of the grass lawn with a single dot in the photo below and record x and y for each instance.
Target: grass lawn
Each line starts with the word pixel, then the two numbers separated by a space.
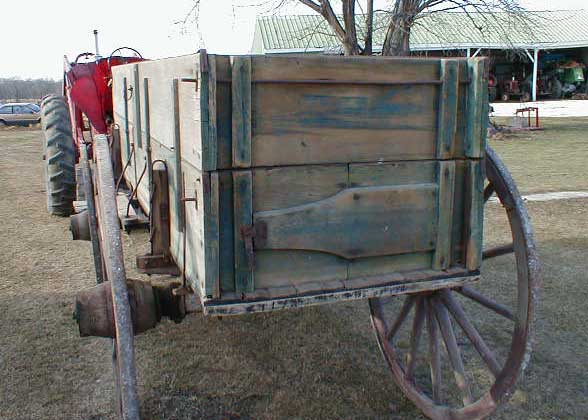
pixel 554 159
pixel 313 363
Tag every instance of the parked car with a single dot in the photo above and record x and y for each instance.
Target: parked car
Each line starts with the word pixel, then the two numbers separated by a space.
pixel 19 114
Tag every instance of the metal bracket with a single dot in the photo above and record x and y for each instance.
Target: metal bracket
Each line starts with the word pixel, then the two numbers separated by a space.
pixel 248 233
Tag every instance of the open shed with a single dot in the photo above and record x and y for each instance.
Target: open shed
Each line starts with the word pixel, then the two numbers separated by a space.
pixel 526 35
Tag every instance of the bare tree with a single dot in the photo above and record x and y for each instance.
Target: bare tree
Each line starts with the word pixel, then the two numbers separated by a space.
pixel 400 19
pixel 353 22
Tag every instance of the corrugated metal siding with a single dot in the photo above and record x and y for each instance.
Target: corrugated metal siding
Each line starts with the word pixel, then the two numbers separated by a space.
pixel 439 30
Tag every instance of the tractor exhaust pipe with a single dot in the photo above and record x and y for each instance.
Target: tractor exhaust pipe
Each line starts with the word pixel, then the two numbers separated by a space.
pixel 80 226
pixel 98 56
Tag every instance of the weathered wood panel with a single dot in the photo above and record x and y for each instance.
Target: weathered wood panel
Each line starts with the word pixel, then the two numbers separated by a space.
pixel 312 123
pixel 282 187
pixel 357 222
pixel 331 68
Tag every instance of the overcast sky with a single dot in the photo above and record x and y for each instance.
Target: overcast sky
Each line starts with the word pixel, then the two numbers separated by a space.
pixel 37 33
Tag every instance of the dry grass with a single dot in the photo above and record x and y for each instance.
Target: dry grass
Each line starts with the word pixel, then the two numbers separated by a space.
pixel 550 160
pixel 314 363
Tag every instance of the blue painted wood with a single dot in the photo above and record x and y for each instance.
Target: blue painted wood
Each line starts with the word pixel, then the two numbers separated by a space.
pixel 477 108
pixel 224 123
pixel 445 209
pixel 204 87
pixel 447 110
pixel 226 233
pixel 241 90
pixel 243 217
pixel 211 188
pixel 209 147
pixel 474 213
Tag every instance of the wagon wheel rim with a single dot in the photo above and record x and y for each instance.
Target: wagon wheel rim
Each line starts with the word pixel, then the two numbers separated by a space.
pixel 111 256
pixel 440 315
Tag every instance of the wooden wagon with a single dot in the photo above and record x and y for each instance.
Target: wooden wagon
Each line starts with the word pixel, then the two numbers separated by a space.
pixel 278 182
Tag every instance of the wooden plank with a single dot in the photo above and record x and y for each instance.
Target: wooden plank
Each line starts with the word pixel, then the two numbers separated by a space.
pixel 137 107
pixel 378 266
pixel 127 139
pixel 209 148
pixel 474 214
pixel 459 216
pixel 195 269
pixel 224 124
pixel 360 69
pixel 392 173
pixel 477 108
pixel 211 189
pixel 445 201
pixel 282 187
pixel 276 268
pixel 447 115
pixel 241 90
pixel 177 163
pixel 204 100
pixel 147 126
pixel 219 308
pixel 160 233
pixel 226 233
pixel 357 222
pixel 311 124
pixel 243 218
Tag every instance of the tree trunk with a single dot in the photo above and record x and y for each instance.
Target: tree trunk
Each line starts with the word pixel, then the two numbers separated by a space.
pixel 397 41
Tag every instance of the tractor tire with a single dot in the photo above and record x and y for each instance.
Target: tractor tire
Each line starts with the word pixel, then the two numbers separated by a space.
pixel 60 176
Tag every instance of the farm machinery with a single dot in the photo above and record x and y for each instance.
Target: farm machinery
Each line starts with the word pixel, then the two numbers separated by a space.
pixel 280 182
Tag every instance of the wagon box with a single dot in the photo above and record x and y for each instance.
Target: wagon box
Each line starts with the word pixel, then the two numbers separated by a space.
pixel 293 176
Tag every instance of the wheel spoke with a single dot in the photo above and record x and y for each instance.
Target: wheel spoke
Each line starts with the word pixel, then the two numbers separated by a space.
pixel 434 354
pixel 498 251
pixel 459 315
pixel 417 327
pixel 406 307
pixel 488 191
pixel 452 351
pixel 487 302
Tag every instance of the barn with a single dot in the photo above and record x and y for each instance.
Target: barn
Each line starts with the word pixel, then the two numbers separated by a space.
pixel 533 54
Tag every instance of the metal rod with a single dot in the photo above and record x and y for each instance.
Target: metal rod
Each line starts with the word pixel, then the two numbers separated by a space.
pixel 97 56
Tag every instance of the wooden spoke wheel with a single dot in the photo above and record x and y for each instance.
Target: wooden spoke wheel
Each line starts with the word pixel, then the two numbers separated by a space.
pixel 457 353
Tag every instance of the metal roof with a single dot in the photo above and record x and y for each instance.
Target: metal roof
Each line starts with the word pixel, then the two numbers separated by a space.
pixel 436 31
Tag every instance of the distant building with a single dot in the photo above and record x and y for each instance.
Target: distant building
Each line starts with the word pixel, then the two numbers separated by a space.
pixel 526 42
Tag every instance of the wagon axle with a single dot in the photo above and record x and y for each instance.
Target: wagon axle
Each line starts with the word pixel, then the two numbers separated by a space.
pixel 148 303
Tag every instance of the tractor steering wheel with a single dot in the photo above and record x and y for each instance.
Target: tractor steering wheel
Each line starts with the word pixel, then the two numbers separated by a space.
pixel 84 55
pixel 120 49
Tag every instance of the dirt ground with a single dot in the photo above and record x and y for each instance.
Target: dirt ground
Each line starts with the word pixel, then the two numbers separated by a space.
pixel 313 363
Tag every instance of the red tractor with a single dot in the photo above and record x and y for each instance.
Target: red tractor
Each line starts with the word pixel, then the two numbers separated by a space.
pixel 70 121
